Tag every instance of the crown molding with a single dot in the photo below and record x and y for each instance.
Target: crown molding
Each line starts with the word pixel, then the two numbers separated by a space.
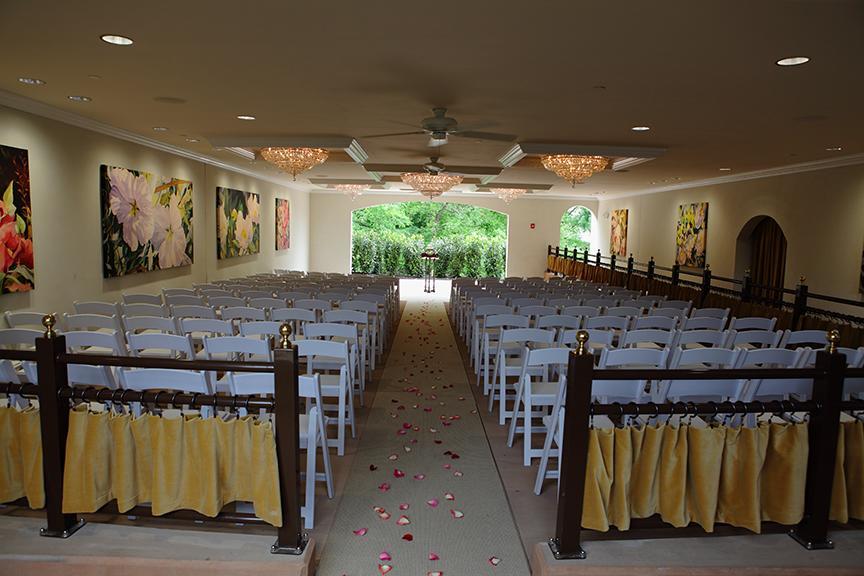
pixel 630 153
pixel 37 108
pixel 812 166
pixel 345 143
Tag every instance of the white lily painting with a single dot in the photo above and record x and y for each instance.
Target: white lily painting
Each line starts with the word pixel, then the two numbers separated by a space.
pixel 238 223
pixel 146 221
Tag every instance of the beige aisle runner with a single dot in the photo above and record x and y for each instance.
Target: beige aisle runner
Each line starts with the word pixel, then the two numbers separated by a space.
pixel 424 497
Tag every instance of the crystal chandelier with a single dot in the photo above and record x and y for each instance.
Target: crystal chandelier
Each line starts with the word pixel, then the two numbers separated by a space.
pixel 431 185
pixel 574 169
pixel 353 190
pixel 508 194
pixel 294 160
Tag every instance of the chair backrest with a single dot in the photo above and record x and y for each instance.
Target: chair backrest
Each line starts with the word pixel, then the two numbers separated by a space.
pixel 526 301
pixel 596 338
pixel 801 338
pixel 175 344
pixel 250 294
pixel 92 322
pixel 564 302
pixel 226 301
pixel 267 303
pixel 655 322
pixel 583 311
pixel 369 307
pixel 264 328
pixel 627 390
pixel 660 338
pixel 293 314
pixel 211 293
pixel 101 308
pixel 527 335
pixel 185 311
pixel 558 321
pixel 184 300
pixel 19 337
pixel 624 311
pixel 548 356
pixel 536 311
pixel 752 323
pixel 142 379
pixel 703 323
pixel 601 302
pixel 346 316
pixel 237 348
pixel 178 292
pixel 244 313
pixel 507 321
pixel 775 358
pixel 709 313
pixel 209 326
pixel 142 299
pixel 648 301
pixel 136 324
pixel 80 341
pixel 25 319
pixel 668 311
pixel 680 304
pixel 608 322
pixel 292 295
pixel 252 383
pixel 313 304
pixel 702 390
pixel 490 309
pixel 309 349
pixel 705 338
pixel 145 310
pixel 330 330
pixel 756 338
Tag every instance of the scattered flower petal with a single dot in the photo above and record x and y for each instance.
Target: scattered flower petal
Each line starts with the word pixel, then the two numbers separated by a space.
pixel 393 457
pixel 419 477
pixel 361 532
pixel 384 487
pixel 449 496
pixel 384 568
pixel 403 521
pixel 408 537
pixel 372 467
pixel 433 503
pixel 458 474
pixel 384 515
pixel 403 506
pixel 385 556
pixel 397 473
pixel 457 514
pixel 494 561
pixel 433 556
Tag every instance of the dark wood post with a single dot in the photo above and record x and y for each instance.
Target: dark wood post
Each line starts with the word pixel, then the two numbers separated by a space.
pixel 557 252
pixel 746 286
pixel 812 532
pixel 800 307
pixel 706 285
pixel 567 543
pixel 548 249
pixel 676 271
pixel 565 252
pixel 54 425
pixel 630 263
pixel 597 259
pixel 612 259
pixel 290 537
pixel 651 268
pixel 585 257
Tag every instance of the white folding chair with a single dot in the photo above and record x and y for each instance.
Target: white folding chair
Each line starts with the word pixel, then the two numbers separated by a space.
pixel 508 363
pixel 234 348
pixel 184 300
pixel 130 310
pixel 332 386
pixel 267 303
pixel 710 313
pixel 32 320
pixel 20 339
pixel 104 343
pixel 263 329
pixel 752 323
pixel 774 389
pixel 179 292
pixel 144 379
pixel 155 299
pixel 296 317
pixel 226 302
pixel 624 391
pixel 360 319
pixel 670 312
pixel 631 311
pixel 703 339
pixel 559 323
pixel 655 322
pixel 648 337
pixel 703 323
pixel 598 340
pixel 100 308
pixel 479 327
pixel 491 334
pixel 802 338
pixel 193 311
pixel 755 339
pixel 161 346
pixel 138 324
pixel 341 333
pixel 701 390
pixel 680 304
pixel 93 322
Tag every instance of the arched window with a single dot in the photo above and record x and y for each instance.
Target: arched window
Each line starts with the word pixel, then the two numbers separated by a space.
pixel 761 247
pixel 578 229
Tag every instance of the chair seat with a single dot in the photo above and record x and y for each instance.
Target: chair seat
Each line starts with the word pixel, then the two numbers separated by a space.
pixel 544 392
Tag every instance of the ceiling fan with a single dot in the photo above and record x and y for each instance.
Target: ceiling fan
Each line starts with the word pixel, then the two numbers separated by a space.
pixel 433 167
pixel 440 126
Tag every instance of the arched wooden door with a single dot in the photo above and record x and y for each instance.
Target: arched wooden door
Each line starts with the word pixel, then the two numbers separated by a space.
pixel 768 258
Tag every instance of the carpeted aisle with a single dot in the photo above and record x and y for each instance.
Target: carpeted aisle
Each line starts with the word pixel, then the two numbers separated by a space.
pixel 424 496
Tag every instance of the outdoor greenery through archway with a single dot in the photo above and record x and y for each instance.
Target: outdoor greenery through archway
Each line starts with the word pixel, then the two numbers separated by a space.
pixel 576 229
pixel 388 239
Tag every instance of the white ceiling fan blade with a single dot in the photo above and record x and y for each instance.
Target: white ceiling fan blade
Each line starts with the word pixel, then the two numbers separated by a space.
pixel 435 143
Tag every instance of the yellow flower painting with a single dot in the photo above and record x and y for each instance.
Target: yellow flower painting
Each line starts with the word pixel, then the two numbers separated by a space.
pixel 691 238
pixel 618 235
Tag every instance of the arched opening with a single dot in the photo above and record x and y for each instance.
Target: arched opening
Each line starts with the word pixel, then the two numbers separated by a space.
pixel 471 241
pixel 578 229
pixel 761 247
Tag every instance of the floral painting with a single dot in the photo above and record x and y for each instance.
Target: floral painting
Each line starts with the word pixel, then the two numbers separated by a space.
pixel 618 236
pixel 283 224
pixel 16 229
pixel 238 217
pixel 146 221
pixel 690 241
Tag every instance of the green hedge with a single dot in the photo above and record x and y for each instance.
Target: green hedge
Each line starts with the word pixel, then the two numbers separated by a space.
pixel 396 254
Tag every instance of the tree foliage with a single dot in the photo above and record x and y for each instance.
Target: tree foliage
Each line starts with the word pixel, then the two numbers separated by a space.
pixel 576 228
pixel 388 239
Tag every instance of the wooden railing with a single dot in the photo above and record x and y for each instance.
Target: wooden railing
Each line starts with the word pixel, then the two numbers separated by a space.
pixel 55 394
pixel 824 420
pixel 795 309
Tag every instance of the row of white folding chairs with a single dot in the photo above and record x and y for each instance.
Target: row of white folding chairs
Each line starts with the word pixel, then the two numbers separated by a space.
pixel 674 390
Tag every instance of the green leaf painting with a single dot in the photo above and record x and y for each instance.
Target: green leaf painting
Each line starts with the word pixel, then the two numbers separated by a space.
pixel 238 219
pixel 283 224
pixel 16 230
pixel 146 221
pixel 691 238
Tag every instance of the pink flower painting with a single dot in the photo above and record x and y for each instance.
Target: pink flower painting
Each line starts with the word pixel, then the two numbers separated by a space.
pixel 16 229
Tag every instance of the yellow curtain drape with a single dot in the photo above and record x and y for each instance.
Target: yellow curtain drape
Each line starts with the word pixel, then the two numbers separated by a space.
pixel 178 463
pixel 737 476
pixel 847 499
pixel 21 456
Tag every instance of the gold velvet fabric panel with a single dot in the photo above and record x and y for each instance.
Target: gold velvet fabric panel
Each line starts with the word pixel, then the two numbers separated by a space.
pixel 737 476
pixel 21 456
pixel 847 499
pixel 177 463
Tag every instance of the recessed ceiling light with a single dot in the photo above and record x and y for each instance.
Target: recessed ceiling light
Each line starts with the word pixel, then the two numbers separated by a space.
pixel 31 81
pixel 191 140
pixel 793 61
pixel 245 117
pixel 117 40
pixel 160 129
pixel 834 149
pixel 79 98
pixel 94 77
pixel 725 169
pixel 640 128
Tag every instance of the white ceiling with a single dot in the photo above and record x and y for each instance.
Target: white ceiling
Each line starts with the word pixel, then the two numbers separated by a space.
pixel 701 74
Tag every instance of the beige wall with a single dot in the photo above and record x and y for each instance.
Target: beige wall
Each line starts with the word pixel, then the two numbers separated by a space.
pixel 821 214
pixel 64 182
pixel 330 228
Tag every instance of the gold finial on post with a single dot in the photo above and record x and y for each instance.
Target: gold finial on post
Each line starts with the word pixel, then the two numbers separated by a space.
pixel 802 279
pixel 48 321
pixel 833 340
pixel 284 333
pixel 582 339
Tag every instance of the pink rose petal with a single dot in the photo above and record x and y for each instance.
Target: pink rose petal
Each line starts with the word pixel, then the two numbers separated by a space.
pixel 384 568
pixel 393 457
pixel 457 514
pixel 433 556
pixel 403 521
pixel 361 532
pixel 435 573
pixel 385 556
pixel 449 496
pixel 403 506
pixel 408 537
pixel 432 503
pixel 384 515
pixel 384 487
pixel 494 561
pixel 397 473
pixel 419 476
